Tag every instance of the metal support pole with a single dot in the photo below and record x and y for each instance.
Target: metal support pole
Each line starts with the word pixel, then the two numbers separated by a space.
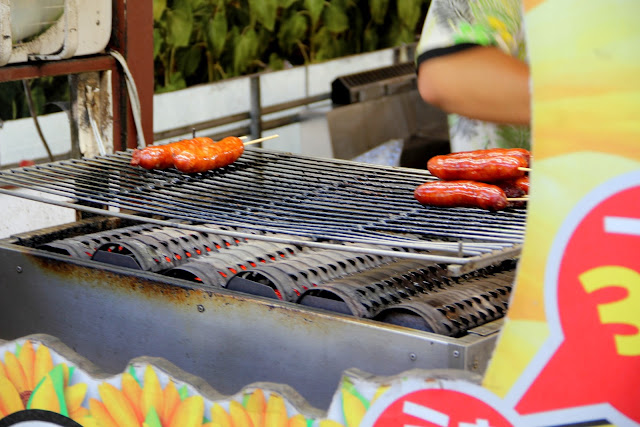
pixel 256 108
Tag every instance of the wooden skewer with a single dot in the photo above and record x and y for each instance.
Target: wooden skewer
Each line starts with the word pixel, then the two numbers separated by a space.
pixel 518 199
pixel 266 138
pixel 525 169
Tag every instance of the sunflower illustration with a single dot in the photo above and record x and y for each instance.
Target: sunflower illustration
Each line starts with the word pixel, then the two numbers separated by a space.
pixel 29 380
pixel 256 411
pixel 148 405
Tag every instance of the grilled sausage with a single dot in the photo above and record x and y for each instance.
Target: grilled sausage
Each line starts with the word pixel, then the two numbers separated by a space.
pixel 523 183
pixel 513 191
pixel 477 168
pixel 161 156
pixel 494 152
pixel 204 157
pixel 469 194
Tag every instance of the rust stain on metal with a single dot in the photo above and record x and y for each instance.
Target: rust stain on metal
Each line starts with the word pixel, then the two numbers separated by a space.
pixel 197 299
pixel 120 282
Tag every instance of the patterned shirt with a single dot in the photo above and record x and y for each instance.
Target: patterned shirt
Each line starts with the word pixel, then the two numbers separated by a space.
pixel 455 25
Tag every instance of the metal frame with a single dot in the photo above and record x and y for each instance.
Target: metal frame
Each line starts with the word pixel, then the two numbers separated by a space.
pixel 132 36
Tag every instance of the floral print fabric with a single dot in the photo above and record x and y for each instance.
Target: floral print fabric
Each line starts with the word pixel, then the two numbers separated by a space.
pixel 453 25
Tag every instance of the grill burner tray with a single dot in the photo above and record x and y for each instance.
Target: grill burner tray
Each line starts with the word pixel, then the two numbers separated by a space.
pixel 291 199
pixel 405 292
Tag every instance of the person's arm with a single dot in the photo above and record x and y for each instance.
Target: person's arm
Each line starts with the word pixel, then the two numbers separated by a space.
pixel 481 83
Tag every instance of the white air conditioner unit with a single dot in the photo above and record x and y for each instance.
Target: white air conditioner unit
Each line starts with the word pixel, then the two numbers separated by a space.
pixel 52 29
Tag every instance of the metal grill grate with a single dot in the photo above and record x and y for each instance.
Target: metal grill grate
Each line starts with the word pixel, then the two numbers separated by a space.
pixel 316 201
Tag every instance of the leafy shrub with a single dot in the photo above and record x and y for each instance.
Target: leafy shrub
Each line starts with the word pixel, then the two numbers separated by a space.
pixel 200 41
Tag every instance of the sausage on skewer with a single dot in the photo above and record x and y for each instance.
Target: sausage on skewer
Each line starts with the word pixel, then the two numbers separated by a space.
pixel 493 152
pixel 481 168
pixel 523 183
pixel 201 158
pixel 513 191
pixel 469 194
pixel 161 156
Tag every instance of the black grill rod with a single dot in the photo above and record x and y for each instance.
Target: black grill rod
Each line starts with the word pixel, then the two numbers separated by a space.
pixel 135 207
pixel 352 237
pixel 352 198
pixel 434 233
pixel 382 240
pixel 293 207
pixel 287 228
pixel 235 183
pixel 197 187
pixel 325 234
pixel 387 200
pixel 301 180
pixel 444 220
pixel 172 200
pixel 429 231
pixel 310 169
pixel 100 197
pixel 304 163
pixel 324 223
pixel 91 195
pixel 487 240
pixel 356 249
pixel 462 219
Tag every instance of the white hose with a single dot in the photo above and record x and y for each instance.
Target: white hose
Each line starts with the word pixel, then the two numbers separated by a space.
pixel 133 97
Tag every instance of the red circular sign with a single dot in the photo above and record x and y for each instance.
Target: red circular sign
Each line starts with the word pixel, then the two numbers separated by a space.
pixel 441 408
pixel 598 295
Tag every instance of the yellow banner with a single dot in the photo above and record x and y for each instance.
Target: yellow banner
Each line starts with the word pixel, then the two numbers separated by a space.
pixel 571 341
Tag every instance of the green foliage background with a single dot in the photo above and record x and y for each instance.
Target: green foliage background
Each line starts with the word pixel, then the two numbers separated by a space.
pixel 201 41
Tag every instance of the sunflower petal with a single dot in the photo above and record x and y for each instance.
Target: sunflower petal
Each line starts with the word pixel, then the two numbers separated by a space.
pixel 100 413
pixel 171 402
pixel 118 405
pixel 15 373
pixel 45 396
pixel 353 409
pixel 297 420
pixel 189 413
pixel 133 392
pixel 78 414
pixel 10 400
pixel 88 421
pixel 27 358
pixel 219 417
pixel 276 412
pixel 49 393
pixel 256 406
pixel 42 364
pixel 74 396
pixel 239 416
pixel 152 395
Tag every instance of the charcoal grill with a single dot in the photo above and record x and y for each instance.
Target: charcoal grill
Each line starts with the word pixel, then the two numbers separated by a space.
pixel 318 265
